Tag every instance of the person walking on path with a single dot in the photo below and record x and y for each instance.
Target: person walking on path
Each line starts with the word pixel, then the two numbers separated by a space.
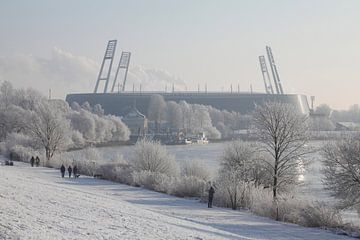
pixel 37 161
pixel 32 160
pixel 69 170
pixel 211 196
pixel 62 170
pixel 75 170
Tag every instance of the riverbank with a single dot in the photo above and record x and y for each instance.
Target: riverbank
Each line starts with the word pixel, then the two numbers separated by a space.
pixel 38 204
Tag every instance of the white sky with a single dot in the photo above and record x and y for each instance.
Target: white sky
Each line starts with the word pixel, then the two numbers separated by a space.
pixel 59 44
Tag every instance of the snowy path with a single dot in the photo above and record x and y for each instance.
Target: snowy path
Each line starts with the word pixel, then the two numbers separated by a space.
pixel 35 203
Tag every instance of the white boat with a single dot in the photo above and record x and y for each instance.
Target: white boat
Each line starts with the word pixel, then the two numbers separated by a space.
pixel 201 139
pixel 187 141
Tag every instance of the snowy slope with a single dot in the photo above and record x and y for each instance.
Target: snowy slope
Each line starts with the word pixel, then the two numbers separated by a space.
pixel 35 203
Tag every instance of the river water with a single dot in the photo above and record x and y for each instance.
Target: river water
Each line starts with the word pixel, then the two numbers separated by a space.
pixel 210 154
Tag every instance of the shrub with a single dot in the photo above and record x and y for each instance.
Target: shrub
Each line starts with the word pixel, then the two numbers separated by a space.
pixel 320 215
pixel 298 211
pixel 188 186
pixel 152 157
pixel 195 169
pixel 20 153
pixel 153 181
pixel 117 171
pixel 231 193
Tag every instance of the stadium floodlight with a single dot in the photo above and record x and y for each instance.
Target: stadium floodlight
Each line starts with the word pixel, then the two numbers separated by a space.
pixel 109 56
pixel 123 63
pixel 265 75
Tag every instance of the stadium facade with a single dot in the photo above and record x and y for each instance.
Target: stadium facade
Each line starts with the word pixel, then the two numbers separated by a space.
pixel 119 103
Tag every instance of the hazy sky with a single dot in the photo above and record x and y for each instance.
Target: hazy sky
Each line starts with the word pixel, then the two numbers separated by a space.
pixel 59 44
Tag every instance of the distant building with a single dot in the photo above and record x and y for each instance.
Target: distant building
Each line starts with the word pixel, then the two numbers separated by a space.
pixel 117 103
pixel 136 122
pixel 347 126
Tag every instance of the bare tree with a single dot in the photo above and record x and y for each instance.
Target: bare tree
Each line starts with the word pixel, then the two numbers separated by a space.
pixel 283 133
pixel 342 170
pixel 49 129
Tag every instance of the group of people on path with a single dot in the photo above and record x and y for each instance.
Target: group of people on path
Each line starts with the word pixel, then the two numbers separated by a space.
pixel 70 171
pixel 35 161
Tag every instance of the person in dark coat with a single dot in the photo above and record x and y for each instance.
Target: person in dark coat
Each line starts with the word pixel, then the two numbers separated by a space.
pixel 69 170
pixel 75 170
pixel 32 160
pixel 37 161
pixel 211 196
pixel 62 170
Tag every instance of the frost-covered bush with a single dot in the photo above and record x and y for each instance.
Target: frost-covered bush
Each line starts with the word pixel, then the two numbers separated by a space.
pixel 123 173
pixel 195 168
pixel 117 170
pixel 231 191
pixel 236 174
pixel 152 157
pixel 89 162
pixel 153 181
pixel 262 202
pixel 19 146
pixel 320 215
pixel 188 186
pixel 291 209
pixel 21 153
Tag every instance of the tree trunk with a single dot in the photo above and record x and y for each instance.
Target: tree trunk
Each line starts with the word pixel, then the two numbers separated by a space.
pixel 48 156
pixel 275 187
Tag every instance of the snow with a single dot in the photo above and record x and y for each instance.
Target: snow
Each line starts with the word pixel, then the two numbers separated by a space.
pixel 36 203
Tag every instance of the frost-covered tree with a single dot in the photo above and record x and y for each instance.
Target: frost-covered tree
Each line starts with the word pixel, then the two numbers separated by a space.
pixel 321 124
pixel 323 109
pixel 186 115
pixel 98 110
pixel 75 106
pixel 156 110
pixel 283 133
pixel 13 119
pixel 350 115
pixel 120 132
pixel 97 128
pixel 27 99
pixel 192 118
pixel 174 114
pixel 83 122
pixel 342 170
pixel 6 94
pixel 86 106
pixel 49 128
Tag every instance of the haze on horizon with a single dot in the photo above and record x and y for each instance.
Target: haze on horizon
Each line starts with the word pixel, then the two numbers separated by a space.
pixel 60 44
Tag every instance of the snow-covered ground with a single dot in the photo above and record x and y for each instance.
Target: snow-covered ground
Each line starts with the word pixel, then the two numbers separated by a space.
pixel 36 203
